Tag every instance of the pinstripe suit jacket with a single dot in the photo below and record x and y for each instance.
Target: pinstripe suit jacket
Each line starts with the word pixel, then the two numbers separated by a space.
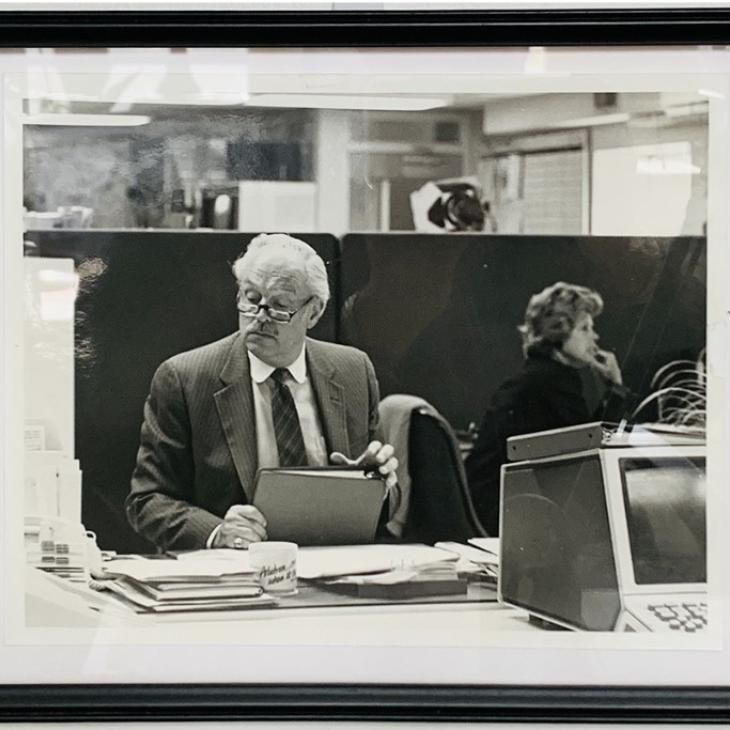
pixel 197 454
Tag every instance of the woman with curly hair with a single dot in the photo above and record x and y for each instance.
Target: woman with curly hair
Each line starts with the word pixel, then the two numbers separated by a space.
pixel 565 380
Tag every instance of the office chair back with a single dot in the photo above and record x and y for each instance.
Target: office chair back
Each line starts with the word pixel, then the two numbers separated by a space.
pixel 440 504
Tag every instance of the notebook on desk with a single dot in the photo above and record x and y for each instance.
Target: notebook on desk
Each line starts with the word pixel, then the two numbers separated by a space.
pixel 319 505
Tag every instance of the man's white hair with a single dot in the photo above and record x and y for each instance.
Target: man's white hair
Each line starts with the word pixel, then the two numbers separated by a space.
pixel 314 267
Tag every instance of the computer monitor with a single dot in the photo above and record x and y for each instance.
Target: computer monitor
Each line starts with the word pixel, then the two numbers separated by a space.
pixel 598 539
pixel 665 517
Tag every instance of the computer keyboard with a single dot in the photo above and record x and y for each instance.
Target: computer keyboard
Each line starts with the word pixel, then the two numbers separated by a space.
pixel 689 617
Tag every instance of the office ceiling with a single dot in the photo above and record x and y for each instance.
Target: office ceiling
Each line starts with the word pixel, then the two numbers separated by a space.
pixel 462 102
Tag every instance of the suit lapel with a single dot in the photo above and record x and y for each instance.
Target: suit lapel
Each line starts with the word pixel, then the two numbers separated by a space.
pixel 234 403
pixel 330 395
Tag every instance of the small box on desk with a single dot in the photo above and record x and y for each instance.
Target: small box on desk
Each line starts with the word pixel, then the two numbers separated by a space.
pixel 399 583
pixel 418 587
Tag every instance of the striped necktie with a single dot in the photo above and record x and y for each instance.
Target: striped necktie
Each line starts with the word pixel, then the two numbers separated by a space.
pixel 289 440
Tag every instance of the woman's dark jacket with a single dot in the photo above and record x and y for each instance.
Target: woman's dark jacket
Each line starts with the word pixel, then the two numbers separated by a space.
pixel 544 395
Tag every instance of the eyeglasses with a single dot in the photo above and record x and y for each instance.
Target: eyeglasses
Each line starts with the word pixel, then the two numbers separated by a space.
pixel 282 316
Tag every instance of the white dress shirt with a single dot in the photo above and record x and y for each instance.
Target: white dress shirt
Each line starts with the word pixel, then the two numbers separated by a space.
pixel 305 402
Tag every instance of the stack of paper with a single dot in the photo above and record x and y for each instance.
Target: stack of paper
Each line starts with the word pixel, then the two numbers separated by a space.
pixel 479 560
pixel 434 579
pixel 328 562
pixel 201 584
pixel 382 571
pixel 488 544
pixel 337 560
pixel 470 553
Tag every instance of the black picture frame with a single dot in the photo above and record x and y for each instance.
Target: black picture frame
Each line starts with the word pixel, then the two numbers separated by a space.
pixel 348 702
pixel 342 28
pixel 478 28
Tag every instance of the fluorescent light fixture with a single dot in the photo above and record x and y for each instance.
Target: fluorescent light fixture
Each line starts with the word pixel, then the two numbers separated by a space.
pixel 595 121
pixel 348 101
pixel 711 93
pixel 658 165
pixel 687 110
pixel 86 120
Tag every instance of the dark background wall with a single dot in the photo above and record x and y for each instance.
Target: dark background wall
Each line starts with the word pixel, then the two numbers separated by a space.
pixel 142 298
pixel 436 313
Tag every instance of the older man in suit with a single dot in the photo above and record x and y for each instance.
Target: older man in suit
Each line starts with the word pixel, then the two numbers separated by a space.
pixel 265 396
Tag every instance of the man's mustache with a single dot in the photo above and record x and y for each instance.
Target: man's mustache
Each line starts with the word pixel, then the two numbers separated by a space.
pixel 261 330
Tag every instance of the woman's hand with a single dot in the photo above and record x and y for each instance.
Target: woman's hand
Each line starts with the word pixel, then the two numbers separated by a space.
pixel 607 365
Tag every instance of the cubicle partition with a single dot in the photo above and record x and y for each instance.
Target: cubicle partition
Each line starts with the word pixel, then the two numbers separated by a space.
pixel 143 296
pixel 438 315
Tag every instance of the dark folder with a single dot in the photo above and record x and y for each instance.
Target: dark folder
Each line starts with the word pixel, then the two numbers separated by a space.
pixel 319 505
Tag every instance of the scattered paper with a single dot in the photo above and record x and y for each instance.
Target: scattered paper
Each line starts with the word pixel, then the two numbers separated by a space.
pixel 470 553
pixel 391 577
pixel 150 570
pixel 328 562
pixel 490 544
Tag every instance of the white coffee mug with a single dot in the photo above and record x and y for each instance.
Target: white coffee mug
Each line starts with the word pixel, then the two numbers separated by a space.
pixel 276 563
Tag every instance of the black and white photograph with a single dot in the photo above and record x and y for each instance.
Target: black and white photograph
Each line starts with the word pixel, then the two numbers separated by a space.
pixel 418 354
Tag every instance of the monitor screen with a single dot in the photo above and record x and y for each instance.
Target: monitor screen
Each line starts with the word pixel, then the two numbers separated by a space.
pixel 665 513
pixel 556 552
